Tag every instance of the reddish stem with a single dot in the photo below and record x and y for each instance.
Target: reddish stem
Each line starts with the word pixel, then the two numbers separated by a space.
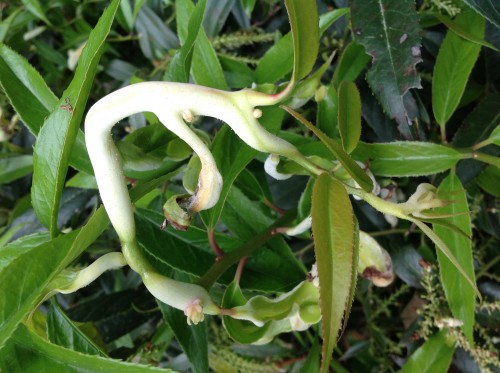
pixel 239 270
pixel 213 243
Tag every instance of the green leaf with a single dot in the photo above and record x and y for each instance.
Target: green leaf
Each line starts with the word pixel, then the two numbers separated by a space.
pixel 304 22
pixel 480 123
pixel 35 8
pixel 57 136
pixel 327 116
pixel 28 352
pixel 14 167
pixel 349 120
pixel 459 293
pixel 463 33
pixel 24 273
pixel 407 158
pixel 279 59
pixel 433 356
pixel 63 332
pixel 233 155
pixel 489 9
pixel 205 66
pixel 26 89
pixel 347 162
pixel 389 31
pixel 192 338
pixel 351 63
pixel 312 363
pixel 28 265
pixel 454 63
pixel 489 180
pixel 180 65
pixel 334 240
pixel 495 136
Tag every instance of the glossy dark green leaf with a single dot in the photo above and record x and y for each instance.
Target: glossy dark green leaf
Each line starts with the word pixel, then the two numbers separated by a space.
pixel 304 23
pixel 57 136
pixel 480 123
pixel 459 293
pixel 454 63
pixel 433 356
pixel 347 162
pixel 489 180
pixel 192 338
pixel 351 63
pixel 389 31
pixel 334 240
pixel 14 167
pixel 489 9
pixel 28 352
pixel 27 91
pixel 63 332
pixel 205 66
pixel 180 65
pixel 349 115
pixel 407 158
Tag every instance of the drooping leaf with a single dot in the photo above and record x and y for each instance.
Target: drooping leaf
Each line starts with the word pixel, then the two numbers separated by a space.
pixel 216 15
pixel 192 338
pixel 489 9
pixel 349 115
pixel 15 167
pixel 407 158
pixel 57 136
pixel 334 239
pixel 347 162
pixel 389 31
pixel 28 352
pixel 63 332
pixel 327 116
pixel 454 63
pixel 459 293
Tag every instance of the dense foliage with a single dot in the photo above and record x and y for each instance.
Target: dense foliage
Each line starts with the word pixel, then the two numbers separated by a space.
pixel 394 108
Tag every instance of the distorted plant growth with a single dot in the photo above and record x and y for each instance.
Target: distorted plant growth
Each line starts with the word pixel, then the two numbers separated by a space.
pixel 249 186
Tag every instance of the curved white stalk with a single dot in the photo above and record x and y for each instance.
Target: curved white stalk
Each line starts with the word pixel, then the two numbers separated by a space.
pixel 87 275
pixel 270 166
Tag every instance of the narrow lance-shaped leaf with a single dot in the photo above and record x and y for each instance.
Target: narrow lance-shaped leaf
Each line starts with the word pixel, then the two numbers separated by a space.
pixel 57 136
pixel 454 63
pixel 304 22
pixel 389 31
pixel 334 239
pixel 179 67
pixel 459 293
pixel 347 162
pixel 349 115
